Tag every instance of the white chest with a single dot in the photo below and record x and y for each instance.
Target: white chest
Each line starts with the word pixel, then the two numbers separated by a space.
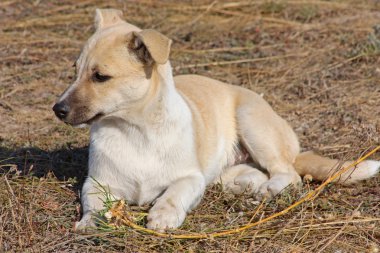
pixel 137 165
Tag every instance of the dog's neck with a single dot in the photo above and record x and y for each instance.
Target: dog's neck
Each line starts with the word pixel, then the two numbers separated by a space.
pixel 166 106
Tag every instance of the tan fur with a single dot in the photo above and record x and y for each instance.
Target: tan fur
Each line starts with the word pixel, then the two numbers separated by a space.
pixel 211 121
pixel 107 17
pixel 157 44
pixel 320 168
pixel 218 105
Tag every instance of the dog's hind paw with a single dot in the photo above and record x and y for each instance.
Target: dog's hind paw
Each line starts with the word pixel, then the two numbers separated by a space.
pixel 276 184
pixel 248 183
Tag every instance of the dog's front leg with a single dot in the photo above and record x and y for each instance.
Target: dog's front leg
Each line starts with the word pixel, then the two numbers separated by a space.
pixel 171 208
pixel 91 199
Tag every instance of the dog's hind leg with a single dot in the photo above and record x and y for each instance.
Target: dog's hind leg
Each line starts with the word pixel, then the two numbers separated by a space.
pixel 270 141
pixel 242 178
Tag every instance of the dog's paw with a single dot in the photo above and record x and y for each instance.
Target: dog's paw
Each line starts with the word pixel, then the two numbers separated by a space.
pixel 165 216
pixel 247 183
pixel 276 184
pixel 86 223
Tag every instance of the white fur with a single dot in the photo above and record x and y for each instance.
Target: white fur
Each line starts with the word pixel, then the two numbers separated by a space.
pixel 373 168
pixel 243 179
pixel 363 170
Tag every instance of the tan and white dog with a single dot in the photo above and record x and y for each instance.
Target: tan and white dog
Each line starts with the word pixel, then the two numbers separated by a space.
pixel 161 139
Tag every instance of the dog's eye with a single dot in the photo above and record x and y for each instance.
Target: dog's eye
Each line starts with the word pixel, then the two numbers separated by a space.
pixel 97 77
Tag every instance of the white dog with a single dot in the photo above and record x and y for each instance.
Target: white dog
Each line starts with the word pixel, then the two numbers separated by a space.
pixel 163 139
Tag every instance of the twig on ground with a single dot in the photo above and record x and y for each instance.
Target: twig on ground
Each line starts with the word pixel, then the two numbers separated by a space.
pixel 340 231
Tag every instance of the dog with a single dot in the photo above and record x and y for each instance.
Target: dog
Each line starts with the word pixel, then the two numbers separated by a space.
pixel 161 139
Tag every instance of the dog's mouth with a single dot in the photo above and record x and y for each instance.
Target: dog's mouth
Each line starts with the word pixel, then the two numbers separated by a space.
pixel 88 122
pixel 95 118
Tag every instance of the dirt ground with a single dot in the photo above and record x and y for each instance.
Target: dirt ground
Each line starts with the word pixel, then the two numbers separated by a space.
pixel 316 62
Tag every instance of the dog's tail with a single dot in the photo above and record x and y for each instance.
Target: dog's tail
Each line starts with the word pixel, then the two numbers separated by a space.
pixel 320 168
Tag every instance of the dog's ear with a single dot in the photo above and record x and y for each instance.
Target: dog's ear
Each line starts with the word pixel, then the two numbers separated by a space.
pixel 107 17
pixel 151 46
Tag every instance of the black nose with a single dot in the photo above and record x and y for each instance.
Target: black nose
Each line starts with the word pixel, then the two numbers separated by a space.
pixel 61 110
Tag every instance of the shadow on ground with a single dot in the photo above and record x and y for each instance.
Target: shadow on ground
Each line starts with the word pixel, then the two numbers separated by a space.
pixel 65 163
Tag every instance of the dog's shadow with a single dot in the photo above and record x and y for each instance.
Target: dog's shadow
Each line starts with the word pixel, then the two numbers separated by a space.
pixel 65 163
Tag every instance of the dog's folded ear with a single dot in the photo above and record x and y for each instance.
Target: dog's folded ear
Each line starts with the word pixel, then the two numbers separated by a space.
pixel 151 46
pixel 107 17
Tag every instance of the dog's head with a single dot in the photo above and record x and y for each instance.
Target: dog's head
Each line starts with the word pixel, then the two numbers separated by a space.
pixel 114 70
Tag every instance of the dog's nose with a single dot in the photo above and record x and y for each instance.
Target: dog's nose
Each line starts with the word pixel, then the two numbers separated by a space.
pixel 61 110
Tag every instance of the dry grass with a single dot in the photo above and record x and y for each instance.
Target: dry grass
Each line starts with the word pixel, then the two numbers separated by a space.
pixel 316 62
